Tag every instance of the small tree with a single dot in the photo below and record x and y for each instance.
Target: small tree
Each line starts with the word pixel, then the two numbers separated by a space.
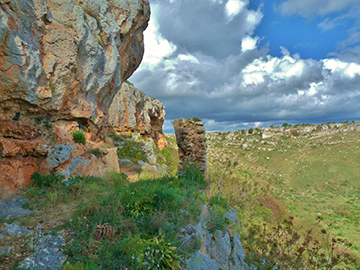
pixel 251 130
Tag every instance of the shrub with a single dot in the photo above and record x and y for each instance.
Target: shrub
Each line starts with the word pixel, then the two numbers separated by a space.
pixel 79 137
pixel 196 119
pixel 251 130
pixel 96 152
pixel 216 219
pixel 154 253
pixel 222 202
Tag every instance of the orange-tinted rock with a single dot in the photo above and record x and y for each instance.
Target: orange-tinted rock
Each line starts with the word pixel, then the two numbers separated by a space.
pixel 67 58
pixel 13 148
pixel 16 173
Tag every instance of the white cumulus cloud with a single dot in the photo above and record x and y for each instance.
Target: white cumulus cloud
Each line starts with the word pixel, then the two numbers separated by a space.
pixel 249 43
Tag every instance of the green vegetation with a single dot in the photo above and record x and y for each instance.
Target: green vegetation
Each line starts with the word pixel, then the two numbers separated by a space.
pixel 79 137
pixel 96 152
pixel 281 176
pixel 283 247
pixel 196 119
pixel 132 150
pixel 112 223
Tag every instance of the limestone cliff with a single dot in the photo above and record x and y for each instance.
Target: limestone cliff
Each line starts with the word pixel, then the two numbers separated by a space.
pixel 132 110
pixel 67 59
pixel 61 64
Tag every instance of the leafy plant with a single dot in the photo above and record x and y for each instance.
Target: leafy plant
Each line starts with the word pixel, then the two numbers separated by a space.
pixel 79 137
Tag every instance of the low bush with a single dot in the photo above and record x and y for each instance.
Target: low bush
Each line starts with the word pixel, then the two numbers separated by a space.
pixel 42 181
pixel 79 137
pixel 216 219
pixel 96 152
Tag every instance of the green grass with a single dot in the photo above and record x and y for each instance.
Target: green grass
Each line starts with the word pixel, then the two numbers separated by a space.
pixel 112 223
pixel 301 177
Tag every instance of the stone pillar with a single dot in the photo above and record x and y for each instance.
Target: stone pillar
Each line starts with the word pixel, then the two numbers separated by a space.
pixel 190 138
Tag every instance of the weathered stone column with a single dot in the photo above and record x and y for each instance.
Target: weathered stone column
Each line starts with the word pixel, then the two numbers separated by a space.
pixel 190 138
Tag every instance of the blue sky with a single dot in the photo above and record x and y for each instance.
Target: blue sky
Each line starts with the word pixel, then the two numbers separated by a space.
pixel 297 33
pixel 240 64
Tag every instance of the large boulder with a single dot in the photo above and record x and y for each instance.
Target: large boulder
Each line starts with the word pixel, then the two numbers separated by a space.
pixel 132 110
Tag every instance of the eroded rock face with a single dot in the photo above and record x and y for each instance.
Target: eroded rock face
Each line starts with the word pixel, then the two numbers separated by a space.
pixel 67 58
pixel 132 110
pixel 61 64
pixel 190 138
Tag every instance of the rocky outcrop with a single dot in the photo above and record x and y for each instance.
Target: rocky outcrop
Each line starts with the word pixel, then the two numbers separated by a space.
pixel 132 110
pixel 61 64
pixel 219 250
pixel 67 59
pixel 190 138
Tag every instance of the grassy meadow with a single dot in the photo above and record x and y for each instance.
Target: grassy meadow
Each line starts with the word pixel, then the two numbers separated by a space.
pixel 303 176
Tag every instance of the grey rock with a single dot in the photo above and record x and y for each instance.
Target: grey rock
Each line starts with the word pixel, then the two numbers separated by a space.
pixel 46 256
pixel 237 260
pixel 221 248
pixel 59 154
pixel 142 163
pixel 13 208
pixel 199 261
pixel 231 215
pixel 16 230
pixel 5 250
pixel 72 167
pixel 124 160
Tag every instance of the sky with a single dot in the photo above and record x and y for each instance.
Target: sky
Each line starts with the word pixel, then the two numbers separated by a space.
pixel 238 64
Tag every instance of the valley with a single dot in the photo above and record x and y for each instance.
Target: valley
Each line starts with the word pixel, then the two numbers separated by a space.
pixel 302 171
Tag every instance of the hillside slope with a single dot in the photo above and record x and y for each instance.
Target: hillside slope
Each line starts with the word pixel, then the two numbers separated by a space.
pixel 313 171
